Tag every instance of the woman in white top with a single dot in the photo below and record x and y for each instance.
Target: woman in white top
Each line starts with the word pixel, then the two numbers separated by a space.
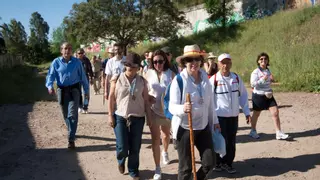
pixel 159 76
pixel 204 119
pixel 262 96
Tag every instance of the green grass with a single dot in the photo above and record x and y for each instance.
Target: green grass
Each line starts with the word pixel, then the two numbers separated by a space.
pixel 22 85
pixel 291 39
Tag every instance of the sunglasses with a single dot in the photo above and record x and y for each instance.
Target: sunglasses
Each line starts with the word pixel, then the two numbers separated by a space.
pixel 80 53
pixel 158 62
pixel 189 59
pixel 263 59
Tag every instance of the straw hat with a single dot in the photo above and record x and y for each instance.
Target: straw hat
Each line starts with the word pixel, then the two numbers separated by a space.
pixel 191 51
pixel 211 55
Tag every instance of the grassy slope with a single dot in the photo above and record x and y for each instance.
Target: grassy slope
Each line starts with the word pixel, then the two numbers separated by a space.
pixel 291 38
pixel 21 85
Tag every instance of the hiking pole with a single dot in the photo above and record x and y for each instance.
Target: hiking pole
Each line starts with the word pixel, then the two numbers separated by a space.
pixel 191 140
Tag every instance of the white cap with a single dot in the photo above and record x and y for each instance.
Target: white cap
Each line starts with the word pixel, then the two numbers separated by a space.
pixel 224 56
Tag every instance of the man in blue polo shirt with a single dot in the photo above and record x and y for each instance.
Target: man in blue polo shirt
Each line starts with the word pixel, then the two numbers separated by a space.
pixel 69 74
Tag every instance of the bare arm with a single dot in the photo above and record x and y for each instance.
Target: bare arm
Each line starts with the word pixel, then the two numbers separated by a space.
pixel 147 104
pixel 107 86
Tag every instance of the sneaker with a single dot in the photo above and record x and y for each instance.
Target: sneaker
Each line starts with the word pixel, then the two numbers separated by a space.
pixel 71 145
pixel 165 158
pixel 79 110
pixel 84 111
pixel 253 133
pixel 95 93
pixel 229 169
pixel 217 168
pixel 280 135
pixel 157 174
pixel 136 178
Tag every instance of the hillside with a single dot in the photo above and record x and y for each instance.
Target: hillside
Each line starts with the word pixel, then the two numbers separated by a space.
pixel 291 38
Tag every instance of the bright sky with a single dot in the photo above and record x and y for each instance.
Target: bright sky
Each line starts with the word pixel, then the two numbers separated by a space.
pixel 52 11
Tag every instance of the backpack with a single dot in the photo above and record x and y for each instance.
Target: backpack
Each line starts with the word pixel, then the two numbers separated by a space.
pixel 216 82
pixel 166 98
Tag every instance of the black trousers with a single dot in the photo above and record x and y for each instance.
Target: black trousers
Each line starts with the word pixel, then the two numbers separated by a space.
pixel 204 144
pixel 229 127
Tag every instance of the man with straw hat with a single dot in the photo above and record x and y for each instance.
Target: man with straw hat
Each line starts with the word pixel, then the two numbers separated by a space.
pixel 204 120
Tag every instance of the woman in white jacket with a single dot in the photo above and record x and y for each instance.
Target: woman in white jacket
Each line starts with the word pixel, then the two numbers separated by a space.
pixel 204 119
pixel 159 76
pixel 262 96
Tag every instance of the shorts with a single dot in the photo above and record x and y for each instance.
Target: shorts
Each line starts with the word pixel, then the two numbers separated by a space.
pixel 261 102
pixel 159 120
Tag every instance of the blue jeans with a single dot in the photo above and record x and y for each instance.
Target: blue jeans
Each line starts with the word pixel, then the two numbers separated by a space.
pixel 69 108
pixel 128 142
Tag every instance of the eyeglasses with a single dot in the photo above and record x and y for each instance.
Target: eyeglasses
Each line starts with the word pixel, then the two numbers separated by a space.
pixel 80 53
pixel 189 59
pixel 159 61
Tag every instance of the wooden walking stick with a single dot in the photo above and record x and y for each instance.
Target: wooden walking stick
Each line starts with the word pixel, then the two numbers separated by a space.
pixel 191 140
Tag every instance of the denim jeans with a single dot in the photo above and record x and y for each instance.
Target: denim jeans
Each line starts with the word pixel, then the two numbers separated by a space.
pixel 128 140
pixel 69 108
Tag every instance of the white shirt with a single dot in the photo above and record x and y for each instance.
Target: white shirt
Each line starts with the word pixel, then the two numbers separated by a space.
pixel 202 113
pixel 114 66
pixel 227 99
pixel 157 88
pixel 260 86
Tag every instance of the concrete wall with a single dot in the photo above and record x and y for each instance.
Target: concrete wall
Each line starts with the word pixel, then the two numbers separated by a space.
pixel 198 14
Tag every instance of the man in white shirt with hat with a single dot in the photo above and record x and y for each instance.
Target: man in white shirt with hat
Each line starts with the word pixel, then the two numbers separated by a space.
pixel 230 93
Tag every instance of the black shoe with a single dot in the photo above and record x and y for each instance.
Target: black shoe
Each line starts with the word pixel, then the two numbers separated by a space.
pixel 121 168
pixel 229 169
pixel 217 168
pixel 71 145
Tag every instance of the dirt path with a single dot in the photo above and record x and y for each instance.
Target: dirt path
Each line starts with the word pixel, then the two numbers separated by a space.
pixel 33 144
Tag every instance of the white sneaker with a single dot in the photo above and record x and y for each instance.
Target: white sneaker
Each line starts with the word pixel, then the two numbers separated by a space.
pixel 85 111
pixel 95 93
pixel 157 174
pixel 80 110
pixel 280 135
pixel 165 158
pixel 253 133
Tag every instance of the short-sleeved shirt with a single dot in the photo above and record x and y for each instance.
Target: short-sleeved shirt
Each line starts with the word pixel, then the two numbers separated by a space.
pixel 114 66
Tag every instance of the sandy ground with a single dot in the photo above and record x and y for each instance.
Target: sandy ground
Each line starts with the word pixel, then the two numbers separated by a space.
pixel 33 144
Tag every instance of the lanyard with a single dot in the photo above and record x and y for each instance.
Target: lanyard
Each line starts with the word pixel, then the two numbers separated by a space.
pixel 133 86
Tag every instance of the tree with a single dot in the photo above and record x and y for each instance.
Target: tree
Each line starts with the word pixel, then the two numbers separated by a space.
pixel 38 41
pixel 126 22
pixel 219 10
pixel 58 37
pixel 14 36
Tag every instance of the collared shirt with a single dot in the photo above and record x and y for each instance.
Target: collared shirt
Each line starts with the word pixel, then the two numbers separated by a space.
pixel 67 74
pixel 114 66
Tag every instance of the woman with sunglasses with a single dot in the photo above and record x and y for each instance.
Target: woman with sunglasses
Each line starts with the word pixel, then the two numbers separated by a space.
pixel 128 106
pixel 204 118
pixel 262 96
pixel 159 76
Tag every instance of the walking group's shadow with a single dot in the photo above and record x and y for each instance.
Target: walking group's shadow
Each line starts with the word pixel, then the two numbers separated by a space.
pixel 270 167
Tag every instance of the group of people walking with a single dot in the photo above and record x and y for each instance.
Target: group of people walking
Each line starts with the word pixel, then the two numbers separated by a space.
pixel 135 91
